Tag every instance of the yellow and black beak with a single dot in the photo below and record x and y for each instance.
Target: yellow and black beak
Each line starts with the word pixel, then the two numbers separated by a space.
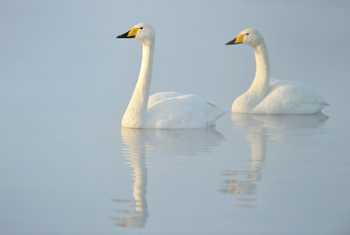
pixel 130 34
pixel 237 40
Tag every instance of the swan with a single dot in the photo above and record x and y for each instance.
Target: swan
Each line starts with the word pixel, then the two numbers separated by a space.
pixel 164 110
pixel 279 97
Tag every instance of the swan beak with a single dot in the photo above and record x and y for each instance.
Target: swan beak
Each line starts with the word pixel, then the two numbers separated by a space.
pixel 130 34
pixel 236 40
pixel 232 42
pixel 124 35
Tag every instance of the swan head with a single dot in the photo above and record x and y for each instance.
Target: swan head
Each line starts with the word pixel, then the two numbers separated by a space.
pixel 248 36
pixel 142 32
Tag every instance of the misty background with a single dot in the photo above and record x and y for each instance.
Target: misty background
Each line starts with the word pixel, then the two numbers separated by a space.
pixel 65 82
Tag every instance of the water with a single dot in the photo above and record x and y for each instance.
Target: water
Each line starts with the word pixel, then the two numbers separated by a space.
pixel 68 168
pixel 261 174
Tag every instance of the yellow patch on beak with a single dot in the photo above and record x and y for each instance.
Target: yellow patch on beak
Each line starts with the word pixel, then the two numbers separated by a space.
pixel 239 39
pixel 132 32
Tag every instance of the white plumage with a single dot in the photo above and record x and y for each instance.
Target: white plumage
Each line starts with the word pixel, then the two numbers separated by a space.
pixel 175 110
pixel 283 97
pixel 279 97
pixel 166 110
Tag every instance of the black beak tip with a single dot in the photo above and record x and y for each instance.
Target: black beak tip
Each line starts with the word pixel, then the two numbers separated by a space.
pixel 124 35
pixel 232 42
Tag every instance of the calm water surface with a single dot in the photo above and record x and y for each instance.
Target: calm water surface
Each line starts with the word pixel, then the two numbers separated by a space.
pixel 68 168
pixel 258 174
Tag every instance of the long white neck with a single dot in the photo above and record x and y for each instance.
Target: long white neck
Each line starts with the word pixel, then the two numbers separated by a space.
pixel 260 84
pixel 137 108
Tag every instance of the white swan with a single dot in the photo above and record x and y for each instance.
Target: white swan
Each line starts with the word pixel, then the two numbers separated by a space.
pixel 271 98
pixel 166 109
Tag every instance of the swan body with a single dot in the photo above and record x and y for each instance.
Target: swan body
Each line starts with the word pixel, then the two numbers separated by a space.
pixel 165 110
pixel 278 97
pixel 282 97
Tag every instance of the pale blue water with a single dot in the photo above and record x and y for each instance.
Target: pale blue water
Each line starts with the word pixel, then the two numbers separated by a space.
pixel 68 168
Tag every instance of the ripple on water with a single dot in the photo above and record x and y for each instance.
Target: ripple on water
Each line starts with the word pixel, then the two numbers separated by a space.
pixel 138 144
pixel 260 130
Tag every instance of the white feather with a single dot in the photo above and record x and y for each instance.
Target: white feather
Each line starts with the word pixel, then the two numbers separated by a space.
pixel 166 110
pixel 279 97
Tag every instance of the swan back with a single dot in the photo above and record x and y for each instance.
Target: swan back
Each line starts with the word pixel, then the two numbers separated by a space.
pixel 171 110
pixel 290 98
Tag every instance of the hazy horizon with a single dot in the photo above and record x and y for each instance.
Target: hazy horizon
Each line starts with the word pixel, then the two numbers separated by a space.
pixel 68 168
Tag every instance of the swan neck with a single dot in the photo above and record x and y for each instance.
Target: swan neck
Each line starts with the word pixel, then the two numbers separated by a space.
pixel 137 107
pixel 144 79
pixel 260 84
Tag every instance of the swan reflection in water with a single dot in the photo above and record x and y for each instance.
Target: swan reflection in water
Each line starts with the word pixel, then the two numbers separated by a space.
pixel 138 143
pixel 260 130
